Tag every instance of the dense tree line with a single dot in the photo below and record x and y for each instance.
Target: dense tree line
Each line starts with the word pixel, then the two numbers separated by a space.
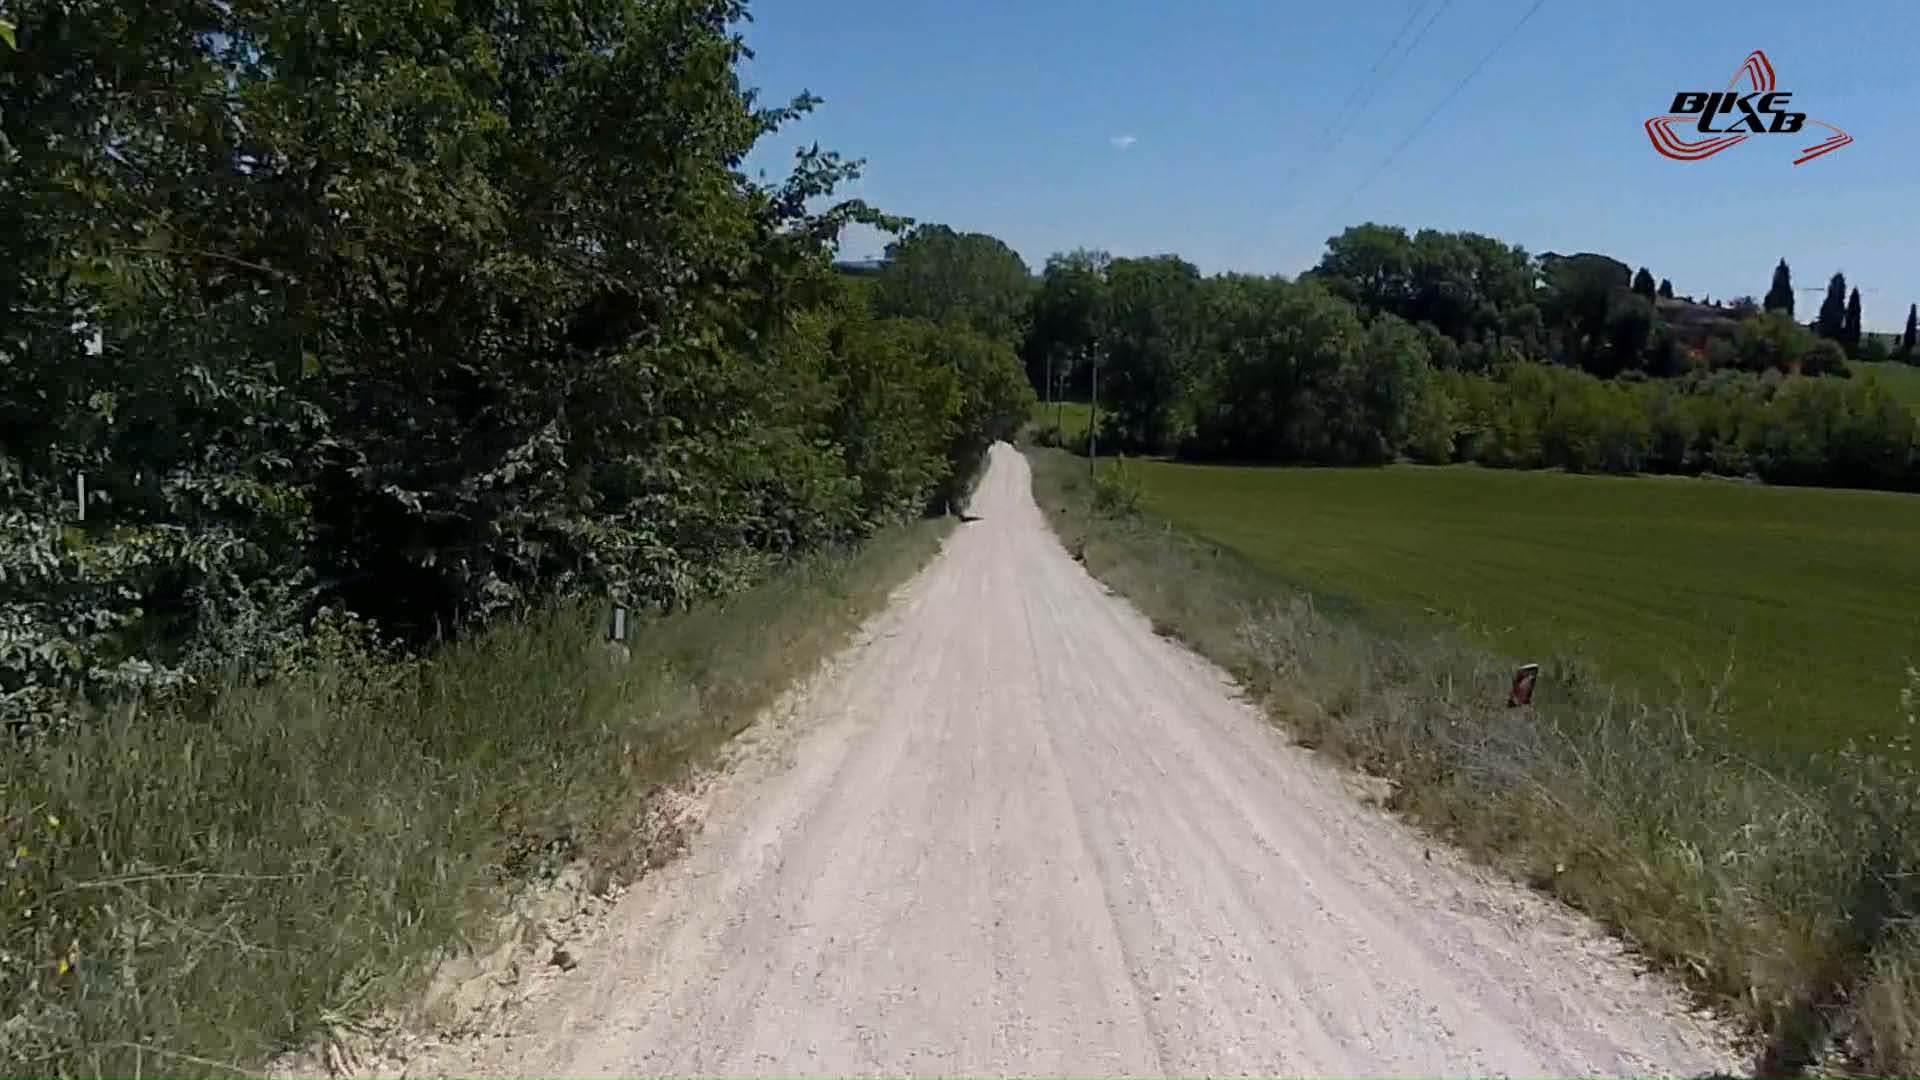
pixel 406 315
pixel 1458 347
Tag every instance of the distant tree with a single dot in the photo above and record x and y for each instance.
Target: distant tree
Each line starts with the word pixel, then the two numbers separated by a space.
pixel 1629 329
pixel 1371 265
pixel 1850 328
pixel 1148 344
pixel 1665 291
pixel 1065 319
pixel 1833 310
pixel 1743 306
pixel 1580 290
pixel 1908 339
pixel 1643 283
pixel 1780 296
pixel 961 279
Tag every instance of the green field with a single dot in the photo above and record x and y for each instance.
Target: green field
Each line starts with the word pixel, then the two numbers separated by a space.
pixel 1902 379
pixel 1812 596
pixel 1072 417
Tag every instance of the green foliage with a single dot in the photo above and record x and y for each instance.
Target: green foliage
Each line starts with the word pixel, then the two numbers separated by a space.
pixel 1326 370
pixel 1780 293
pixel 502 321
pixel 1833 310
pixel 1798 430
pixel 1475 290
pixel 197 885
pixel 1581 292
pixel 1901 380
pixel 1771 341
pixel 1117 488
pixel 1295 376
pixel 1643 284
pixel 1069 309
pixel 964 279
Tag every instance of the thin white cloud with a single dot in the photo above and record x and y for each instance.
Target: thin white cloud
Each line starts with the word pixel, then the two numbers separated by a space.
pixel 1123 142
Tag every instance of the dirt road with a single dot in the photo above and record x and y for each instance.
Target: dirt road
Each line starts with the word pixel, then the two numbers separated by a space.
pixel 1012 831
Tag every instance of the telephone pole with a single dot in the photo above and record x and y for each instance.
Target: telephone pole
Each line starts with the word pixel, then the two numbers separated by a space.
pixel 1049 401
pixel 1093 415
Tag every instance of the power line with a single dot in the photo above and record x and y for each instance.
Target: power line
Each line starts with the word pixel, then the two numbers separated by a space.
pixel 1435 111
pixel 1339 130
pixel 1405 25
pixel 1401 61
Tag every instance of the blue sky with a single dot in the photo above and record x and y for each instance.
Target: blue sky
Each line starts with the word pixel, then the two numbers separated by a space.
pixel 1197 128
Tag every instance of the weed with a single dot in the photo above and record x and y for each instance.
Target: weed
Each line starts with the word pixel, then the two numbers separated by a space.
pixel 193 889
pixel 1788 894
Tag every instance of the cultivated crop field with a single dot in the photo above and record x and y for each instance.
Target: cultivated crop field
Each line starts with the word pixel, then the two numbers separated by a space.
pixel 1804 604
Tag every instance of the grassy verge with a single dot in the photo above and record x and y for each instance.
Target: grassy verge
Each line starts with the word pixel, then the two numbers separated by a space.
pixel 1788 898
pixel 1067 421
pixel 193 890
pixel 1779 598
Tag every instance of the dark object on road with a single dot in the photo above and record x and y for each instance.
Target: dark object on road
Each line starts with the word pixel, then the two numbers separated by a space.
pixel 1522 692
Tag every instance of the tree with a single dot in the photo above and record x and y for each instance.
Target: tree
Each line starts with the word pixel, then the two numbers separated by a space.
pixel 1629 330
pixel 1833 310
pixel 1580 292
pixel 964 279
pixel 1477 291
pixel 1294 374
pixel 1643 283
pixel 1780 295
pixel 1066 312
pixel 1912 336
pixel 1666 289
pixel 1370 265
pixel 1850 326
pixel 506 320
pixel 1148 350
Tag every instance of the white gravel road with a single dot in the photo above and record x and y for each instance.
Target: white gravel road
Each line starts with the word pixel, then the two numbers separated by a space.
pixel 1011 831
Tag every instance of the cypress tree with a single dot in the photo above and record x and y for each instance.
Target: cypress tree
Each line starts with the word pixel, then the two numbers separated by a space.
pixel 1780 296
pixel 1833 310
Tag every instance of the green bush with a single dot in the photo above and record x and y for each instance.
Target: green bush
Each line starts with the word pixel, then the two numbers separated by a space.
pixel 502 323
pixel 1117 489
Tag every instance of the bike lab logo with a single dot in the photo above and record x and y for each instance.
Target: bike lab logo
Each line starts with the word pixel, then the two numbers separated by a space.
pixel 1729 117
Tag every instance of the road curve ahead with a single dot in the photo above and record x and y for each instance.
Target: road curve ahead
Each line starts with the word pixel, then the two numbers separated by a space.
pixel 1011 831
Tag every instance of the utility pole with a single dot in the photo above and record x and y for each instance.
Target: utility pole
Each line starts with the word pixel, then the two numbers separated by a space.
pixel 1049 380
pixel 1059 403
pixel 1093 416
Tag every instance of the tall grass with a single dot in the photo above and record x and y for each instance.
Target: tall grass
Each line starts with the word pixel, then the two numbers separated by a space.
pixel 193 889
pixel 1786 894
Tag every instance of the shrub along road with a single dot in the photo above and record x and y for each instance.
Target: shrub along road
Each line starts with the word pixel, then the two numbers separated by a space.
pixel 1013 831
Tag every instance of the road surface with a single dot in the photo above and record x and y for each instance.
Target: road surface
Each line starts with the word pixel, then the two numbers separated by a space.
pixel 1012 831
